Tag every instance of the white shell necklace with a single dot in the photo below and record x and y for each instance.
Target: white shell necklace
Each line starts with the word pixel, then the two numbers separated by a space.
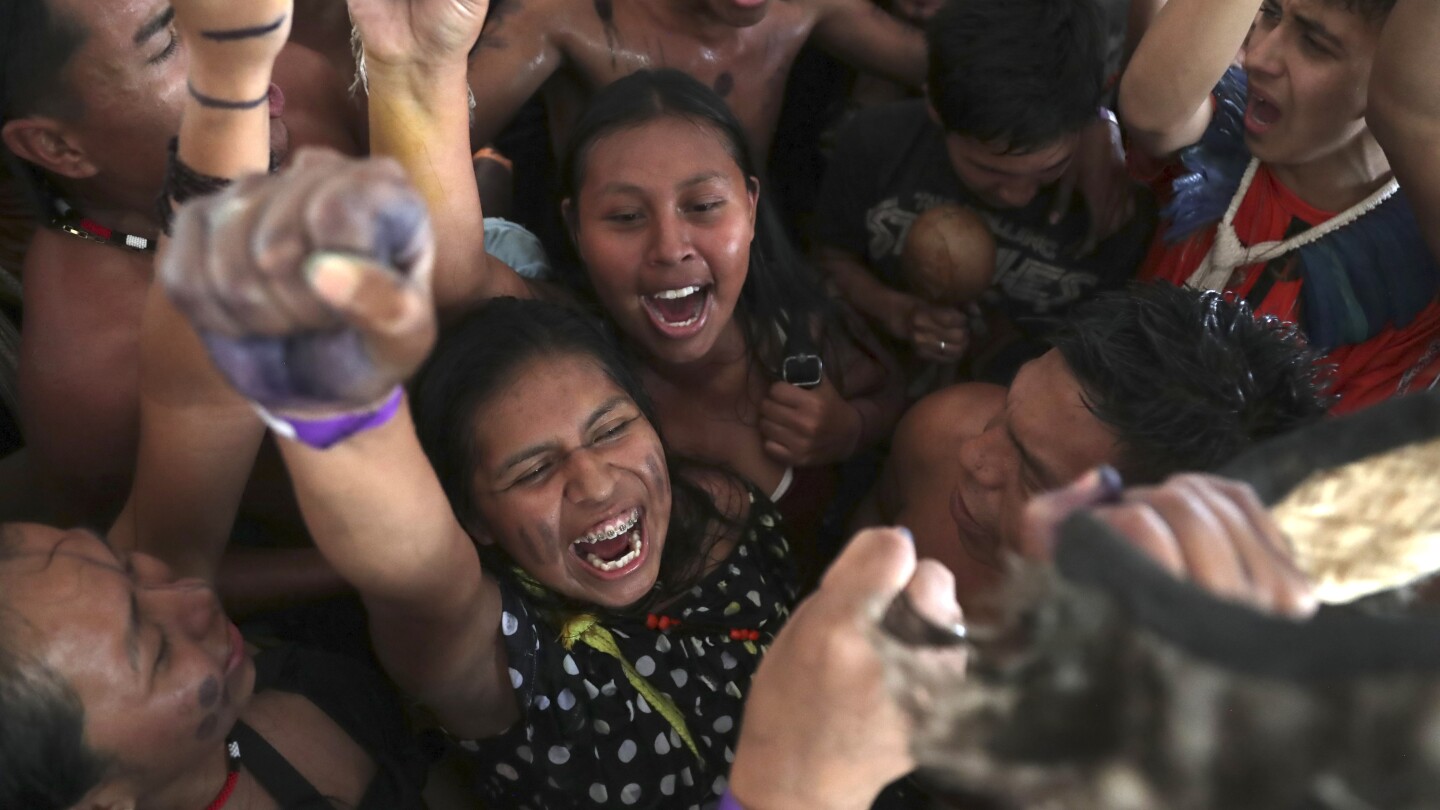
pixel 1227 253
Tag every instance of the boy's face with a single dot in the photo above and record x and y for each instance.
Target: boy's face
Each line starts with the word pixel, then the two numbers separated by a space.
pixel 1309 67
pixel 1008 180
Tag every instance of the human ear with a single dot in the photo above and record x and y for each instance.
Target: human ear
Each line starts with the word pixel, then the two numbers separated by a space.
pixel 47 143
pixel 752 190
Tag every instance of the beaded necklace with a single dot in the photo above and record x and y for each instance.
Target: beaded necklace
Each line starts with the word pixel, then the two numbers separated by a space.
pixel 232 776
pixel 68 220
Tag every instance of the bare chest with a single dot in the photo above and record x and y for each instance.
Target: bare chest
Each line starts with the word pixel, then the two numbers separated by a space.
pixel 722 430
pixel 747 67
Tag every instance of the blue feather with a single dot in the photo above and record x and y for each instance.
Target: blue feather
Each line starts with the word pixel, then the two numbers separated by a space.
pixel 1373 273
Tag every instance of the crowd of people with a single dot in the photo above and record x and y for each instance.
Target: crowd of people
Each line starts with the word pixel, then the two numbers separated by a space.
pixel 489 364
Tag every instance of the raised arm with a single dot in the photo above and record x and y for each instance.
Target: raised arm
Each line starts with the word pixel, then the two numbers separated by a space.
pixel 1404 110
pixel 862 34
pixel 304 316
pixel 1165 92
pixel 517 53
pixel 197 439
pixel 415 58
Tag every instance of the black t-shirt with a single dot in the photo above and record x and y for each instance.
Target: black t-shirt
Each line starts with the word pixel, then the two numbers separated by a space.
pixel 891 165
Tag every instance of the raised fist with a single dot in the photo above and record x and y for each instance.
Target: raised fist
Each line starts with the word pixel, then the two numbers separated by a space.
pixel 310 288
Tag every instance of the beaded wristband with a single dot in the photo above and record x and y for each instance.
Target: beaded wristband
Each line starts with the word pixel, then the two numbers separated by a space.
pixel 329 431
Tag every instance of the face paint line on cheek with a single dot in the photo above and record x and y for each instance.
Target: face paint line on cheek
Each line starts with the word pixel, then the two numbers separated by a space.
pixel 654 470
pixel 207 726
pixel 209 692
pixel 539 542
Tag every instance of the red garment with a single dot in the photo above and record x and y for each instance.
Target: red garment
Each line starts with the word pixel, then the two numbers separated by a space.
pixel 1390 363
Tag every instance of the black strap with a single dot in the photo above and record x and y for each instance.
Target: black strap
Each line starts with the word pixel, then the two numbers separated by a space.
pixel 275 773
pixel 798 339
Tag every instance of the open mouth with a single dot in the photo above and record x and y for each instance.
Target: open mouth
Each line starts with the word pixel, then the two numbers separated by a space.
pixel 679 312
pixel 614 546
pixel 1260 114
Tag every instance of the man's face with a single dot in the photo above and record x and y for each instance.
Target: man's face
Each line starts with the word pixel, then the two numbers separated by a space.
pixel 129 79
pixel 1308 63
pixel 1004 180
pixel 1043 438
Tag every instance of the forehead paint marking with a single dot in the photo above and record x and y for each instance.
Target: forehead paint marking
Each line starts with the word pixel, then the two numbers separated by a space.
pixel 724 83
pixel 209 692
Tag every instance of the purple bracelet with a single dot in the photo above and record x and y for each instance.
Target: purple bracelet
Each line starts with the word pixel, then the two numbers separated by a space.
pixel 728 802
pixel 327 432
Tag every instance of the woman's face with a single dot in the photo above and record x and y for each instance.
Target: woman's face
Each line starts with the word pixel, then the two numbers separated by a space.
pixel 161 672
pixel 663 220
pixel 571 481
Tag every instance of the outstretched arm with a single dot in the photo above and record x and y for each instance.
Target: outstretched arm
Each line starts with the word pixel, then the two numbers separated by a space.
pixel 516 54
pixel 862 34
pixel 1404 110
pixel 197 439
pixel 1165 92
pixel 415 57
pixel 303 315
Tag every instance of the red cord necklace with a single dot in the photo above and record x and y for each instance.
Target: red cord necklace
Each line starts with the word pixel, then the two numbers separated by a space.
pixel 232 777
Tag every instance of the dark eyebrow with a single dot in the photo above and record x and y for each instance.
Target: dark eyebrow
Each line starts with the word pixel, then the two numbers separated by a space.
pixel 631 188
pixel 1316 29
pixel 534 450
pixel 703 177
pixel 156 24
pixel 604 410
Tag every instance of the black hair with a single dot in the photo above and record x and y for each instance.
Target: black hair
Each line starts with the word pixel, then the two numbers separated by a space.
pixel 780 286
pixel 45 763
pixel 1187 379
pixel 36 44
pixel 1016 74
pixel 480 356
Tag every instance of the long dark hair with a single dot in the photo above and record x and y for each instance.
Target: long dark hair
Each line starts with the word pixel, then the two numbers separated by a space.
pixel 780 286
pixel 479 357
pixel 45 763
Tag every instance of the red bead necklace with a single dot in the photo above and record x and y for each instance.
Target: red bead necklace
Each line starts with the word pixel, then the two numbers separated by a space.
pixel 232 777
